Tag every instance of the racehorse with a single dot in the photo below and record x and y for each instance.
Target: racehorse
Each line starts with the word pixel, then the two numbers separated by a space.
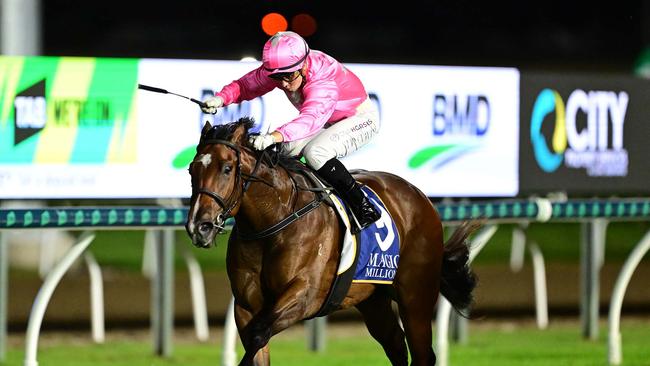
pixel 283 276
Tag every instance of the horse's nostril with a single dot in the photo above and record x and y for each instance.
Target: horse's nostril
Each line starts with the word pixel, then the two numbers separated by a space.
pixel 206 227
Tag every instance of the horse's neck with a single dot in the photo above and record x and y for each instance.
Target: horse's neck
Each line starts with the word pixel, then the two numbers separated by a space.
pixel 264 205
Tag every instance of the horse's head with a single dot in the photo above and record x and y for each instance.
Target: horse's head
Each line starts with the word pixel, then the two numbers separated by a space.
pixel 217 184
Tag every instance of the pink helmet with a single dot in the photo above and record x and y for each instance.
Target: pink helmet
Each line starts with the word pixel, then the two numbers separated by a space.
pixel 284 52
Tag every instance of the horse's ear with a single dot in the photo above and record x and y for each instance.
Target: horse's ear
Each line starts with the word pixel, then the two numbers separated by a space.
pixel 206 128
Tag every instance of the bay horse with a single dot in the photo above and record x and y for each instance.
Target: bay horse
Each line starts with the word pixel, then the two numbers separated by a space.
pixel 281 278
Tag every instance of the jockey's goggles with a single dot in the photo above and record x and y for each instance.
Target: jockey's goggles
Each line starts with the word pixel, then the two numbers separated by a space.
pixel 285 76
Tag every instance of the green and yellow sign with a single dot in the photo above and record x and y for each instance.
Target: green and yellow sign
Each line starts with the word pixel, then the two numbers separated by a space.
pixel 64 110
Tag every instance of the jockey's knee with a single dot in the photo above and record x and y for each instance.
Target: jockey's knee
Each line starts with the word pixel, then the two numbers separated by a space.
pixel 317 155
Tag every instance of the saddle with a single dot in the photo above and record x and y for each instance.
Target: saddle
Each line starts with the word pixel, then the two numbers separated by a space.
pixel 368 256
pixel 365 256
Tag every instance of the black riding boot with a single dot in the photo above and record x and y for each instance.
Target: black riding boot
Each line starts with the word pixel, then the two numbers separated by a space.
pixel 335 173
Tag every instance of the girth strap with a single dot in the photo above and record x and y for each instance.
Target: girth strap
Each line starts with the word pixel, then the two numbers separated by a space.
pixel 274 229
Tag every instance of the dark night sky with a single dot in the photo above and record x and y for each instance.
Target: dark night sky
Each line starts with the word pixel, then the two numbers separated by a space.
pixel 570 35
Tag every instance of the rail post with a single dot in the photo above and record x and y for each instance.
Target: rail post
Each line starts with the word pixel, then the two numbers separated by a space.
pixel 316 333
pixel 592 238
pixel 162 297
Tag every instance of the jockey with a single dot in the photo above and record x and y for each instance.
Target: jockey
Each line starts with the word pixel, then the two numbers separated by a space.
pixel 335 118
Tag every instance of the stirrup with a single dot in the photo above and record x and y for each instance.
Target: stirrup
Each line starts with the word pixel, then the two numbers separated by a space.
pixel 356 225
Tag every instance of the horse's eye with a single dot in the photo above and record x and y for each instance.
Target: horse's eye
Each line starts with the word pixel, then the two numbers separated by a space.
pixel 227 169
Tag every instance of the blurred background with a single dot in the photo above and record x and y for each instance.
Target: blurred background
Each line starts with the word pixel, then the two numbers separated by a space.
pixel 567 35
pixel 552 36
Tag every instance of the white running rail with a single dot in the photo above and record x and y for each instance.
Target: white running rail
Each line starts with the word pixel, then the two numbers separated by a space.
pixel 614 342
pixel 229 357
pixel 45 293
pixel 96 298
pixel 539 273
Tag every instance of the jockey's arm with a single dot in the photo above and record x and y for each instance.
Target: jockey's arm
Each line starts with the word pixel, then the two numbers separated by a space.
pixel 315 111
pixel 250 86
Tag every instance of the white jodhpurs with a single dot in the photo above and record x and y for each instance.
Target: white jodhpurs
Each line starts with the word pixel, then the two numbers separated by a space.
pixel 339 139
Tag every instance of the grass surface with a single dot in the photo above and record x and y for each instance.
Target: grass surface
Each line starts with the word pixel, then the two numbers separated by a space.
pixel 501 343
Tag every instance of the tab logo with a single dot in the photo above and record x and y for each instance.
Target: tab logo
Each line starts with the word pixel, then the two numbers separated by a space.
pixel 587 132
pixel 30 112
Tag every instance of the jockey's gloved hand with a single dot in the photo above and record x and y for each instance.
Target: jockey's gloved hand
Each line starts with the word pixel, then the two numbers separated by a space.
pixel 261 142
pixel 212 103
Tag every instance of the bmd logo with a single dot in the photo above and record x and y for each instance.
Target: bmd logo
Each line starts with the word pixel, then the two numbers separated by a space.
pixel 459 124
pixel 587 132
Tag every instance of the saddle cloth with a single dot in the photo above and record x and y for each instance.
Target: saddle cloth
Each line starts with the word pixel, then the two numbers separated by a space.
pixel 375 250
pixel 370 256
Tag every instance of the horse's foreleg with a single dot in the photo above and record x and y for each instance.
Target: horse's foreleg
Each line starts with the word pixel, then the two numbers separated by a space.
pixel 288 309
pixel 261 357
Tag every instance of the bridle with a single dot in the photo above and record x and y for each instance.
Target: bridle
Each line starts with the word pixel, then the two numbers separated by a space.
pixel 229 204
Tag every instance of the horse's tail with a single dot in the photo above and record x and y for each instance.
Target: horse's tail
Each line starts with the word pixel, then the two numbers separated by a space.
pixel 458 280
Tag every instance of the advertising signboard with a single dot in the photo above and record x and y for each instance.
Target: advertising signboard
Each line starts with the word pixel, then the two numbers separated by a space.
pixel 451 131
pixel 80 128
pixel 584 134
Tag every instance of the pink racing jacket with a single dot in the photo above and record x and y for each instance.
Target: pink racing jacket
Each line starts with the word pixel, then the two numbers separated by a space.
pixel 329 94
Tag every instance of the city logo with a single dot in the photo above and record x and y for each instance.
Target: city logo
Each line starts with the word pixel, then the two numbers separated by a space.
pixel 30 111
pixel 587 131
pixel 459 124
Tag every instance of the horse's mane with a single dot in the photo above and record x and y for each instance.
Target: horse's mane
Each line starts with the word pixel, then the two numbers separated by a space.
pixel 226 131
